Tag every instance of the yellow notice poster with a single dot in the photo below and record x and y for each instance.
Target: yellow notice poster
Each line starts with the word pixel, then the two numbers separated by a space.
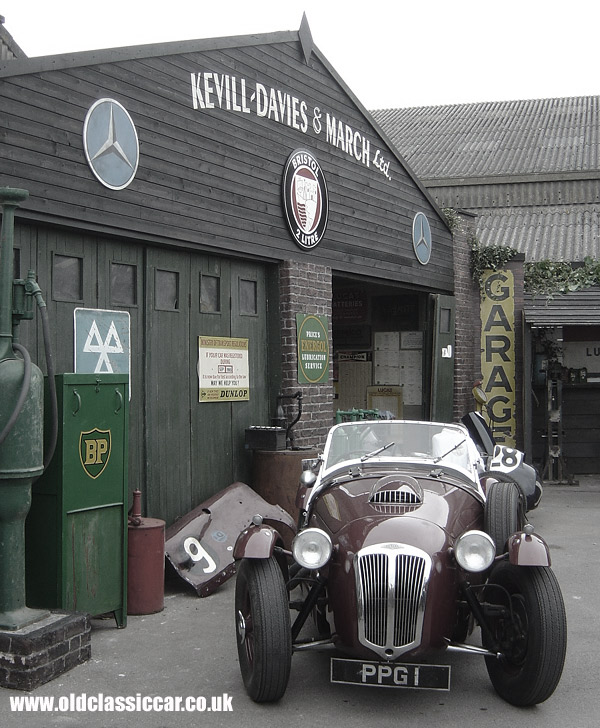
pixel 223 372
pixel 498 353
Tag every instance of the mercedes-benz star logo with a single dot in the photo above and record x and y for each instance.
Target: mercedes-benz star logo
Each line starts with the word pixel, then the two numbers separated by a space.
pixel 111 144
pixel 422 238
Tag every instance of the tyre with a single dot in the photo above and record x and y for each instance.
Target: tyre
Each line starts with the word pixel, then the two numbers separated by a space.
pixel 503 514
pixel 263 629
pixel 530 631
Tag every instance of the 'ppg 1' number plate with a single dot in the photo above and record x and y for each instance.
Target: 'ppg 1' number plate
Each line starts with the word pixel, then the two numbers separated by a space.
pixel 390 674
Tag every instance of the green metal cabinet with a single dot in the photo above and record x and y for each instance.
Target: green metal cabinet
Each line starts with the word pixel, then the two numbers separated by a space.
pixel 76 530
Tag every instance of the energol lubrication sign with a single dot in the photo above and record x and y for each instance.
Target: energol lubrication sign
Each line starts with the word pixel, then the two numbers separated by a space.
pixel 313 348
pixel 498 352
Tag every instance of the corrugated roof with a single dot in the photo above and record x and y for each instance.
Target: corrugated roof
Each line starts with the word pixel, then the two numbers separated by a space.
pixel 561 233
pixel 542 136
pixel 529 170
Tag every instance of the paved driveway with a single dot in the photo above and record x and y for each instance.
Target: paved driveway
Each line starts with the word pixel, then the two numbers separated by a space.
pixel 188 650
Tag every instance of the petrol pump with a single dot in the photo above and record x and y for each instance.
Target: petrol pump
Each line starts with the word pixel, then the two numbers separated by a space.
pixel 21 426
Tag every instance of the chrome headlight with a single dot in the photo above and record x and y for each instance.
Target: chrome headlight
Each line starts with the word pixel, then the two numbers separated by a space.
pixel 474 551
pixel 312 548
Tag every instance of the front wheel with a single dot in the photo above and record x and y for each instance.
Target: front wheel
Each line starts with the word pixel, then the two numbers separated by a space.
pixel 504 513
pixel 263 631
pixel 530 629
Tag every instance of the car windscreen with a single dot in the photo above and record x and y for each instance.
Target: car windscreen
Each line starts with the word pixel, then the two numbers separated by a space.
pixel 410 441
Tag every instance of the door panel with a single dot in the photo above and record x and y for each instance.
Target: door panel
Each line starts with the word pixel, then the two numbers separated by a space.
pixel 249 320
pixel 211 445
pixel 219 457
pixel 72 282
pixel 167 381
pixel 442 365
pixel 120 288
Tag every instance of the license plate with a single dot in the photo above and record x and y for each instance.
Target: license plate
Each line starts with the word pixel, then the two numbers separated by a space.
pixel 390 674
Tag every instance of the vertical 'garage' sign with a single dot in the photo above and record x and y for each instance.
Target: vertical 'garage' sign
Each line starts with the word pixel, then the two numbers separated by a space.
pixel 498 352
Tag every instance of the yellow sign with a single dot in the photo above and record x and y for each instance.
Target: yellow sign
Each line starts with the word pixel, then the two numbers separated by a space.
pixel 498 353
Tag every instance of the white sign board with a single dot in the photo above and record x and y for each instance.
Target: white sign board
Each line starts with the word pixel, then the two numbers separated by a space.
pixel 102 342
pixel 223 372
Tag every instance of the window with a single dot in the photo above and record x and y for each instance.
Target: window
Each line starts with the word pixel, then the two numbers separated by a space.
pixel 166 290
pixel 67 278
pixel 445 320
pixel 210 294
pixel 123 284
pixel 248 297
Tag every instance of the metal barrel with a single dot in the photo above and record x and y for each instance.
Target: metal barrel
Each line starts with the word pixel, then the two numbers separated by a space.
pixel 145 562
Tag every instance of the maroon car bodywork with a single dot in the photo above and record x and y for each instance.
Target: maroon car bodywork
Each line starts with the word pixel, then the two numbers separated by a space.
pixel 446 511
pixel 410 535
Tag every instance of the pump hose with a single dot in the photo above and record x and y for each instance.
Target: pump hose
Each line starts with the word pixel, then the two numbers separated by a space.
pixel 51 446
pixel 22 394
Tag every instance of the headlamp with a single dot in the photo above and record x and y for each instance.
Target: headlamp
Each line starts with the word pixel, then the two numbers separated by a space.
pixel 312 548
pixel 474 551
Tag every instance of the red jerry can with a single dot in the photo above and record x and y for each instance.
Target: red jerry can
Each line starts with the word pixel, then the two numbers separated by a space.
pixel 145 561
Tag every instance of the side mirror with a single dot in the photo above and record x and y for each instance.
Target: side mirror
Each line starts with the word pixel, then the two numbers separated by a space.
pixel 308 478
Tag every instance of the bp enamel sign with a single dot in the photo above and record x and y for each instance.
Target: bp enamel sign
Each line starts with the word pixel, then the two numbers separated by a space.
pixel 94 451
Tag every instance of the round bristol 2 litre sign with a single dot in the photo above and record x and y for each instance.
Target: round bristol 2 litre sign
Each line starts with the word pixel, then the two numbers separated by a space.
pixel 305 199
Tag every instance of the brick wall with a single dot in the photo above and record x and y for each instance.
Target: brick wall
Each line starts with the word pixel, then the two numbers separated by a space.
pixel 305 288
pixel 467 361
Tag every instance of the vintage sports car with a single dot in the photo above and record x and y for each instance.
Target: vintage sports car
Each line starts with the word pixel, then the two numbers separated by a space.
pixel 410 536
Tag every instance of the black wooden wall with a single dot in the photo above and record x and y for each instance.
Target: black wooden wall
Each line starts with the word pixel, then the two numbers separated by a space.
pixel 211 178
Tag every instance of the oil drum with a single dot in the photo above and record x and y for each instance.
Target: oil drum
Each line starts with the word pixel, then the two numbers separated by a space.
pixel 145 562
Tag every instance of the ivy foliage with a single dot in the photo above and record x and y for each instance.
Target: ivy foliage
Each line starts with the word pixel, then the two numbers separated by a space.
pixel 488 257
pixel 452 218
pixel 547 277
pixel 541 278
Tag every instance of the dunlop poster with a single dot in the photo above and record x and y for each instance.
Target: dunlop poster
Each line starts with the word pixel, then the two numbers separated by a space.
pixel 223 372
pixel 498 353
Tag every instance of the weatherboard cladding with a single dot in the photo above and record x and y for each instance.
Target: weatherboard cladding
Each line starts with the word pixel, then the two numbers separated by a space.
pixel 579 309
pixel 211 179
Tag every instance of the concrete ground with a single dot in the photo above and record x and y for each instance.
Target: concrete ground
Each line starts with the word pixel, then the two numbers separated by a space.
pixel 188 650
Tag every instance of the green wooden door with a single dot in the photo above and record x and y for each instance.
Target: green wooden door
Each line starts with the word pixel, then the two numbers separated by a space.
pixel 195 449
pixel 166 384
pixel 228 299
pixel 120 288
pixel 442 360
pixel 249 319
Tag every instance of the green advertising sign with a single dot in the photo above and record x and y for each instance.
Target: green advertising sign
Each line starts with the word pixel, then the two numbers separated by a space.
pixel 313 348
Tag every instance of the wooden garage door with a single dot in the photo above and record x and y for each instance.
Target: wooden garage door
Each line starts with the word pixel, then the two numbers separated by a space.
pixel 194 449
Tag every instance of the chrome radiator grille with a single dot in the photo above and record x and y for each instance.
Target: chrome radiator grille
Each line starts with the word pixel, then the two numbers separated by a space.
pixel 391 581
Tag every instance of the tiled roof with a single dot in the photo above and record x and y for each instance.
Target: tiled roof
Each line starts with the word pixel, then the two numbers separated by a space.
pixel 541 136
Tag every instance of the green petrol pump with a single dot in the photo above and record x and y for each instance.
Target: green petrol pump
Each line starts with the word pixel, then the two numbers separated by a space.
pixel 21 434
